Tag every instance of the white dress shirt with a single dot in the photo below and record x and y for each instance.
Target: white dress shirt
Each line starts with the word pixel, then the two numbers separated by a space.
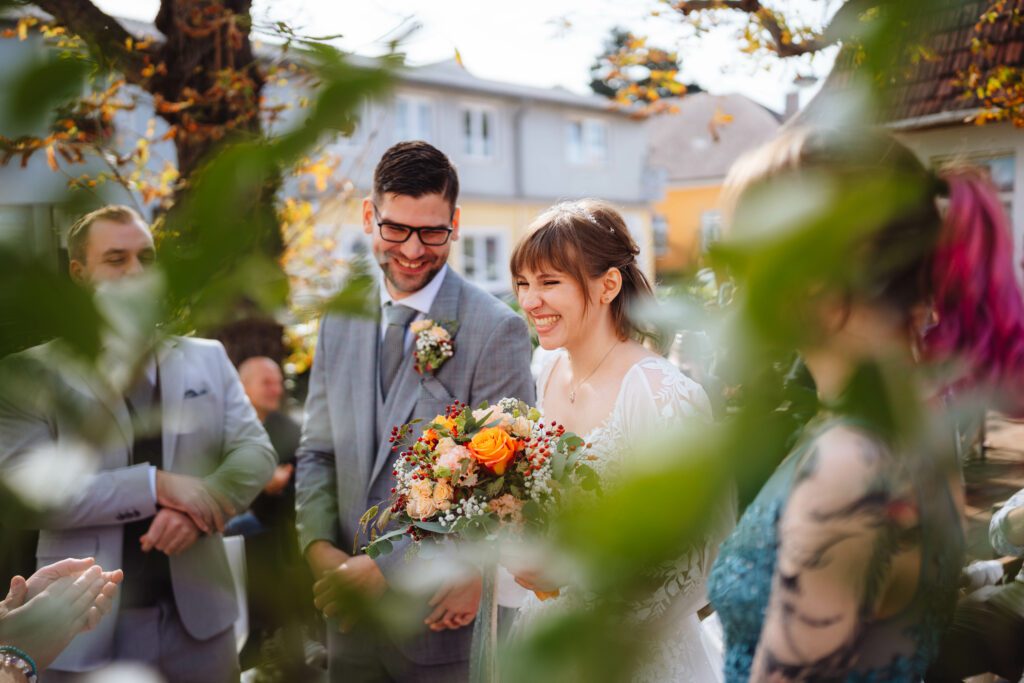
pixel 420 301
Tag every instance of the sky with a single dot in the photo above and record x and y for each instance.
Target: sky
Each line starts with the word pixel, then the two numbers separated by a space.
pixel 533 42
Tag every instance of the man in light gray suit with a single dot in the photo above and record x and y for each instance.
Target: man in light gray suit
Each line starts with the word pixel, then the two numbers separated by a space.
pixel 363 383
pixel 178 450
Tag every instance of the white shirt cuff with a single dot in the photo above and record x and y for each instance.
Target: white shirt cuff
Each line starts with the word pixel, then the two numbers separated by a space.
pixel 152 481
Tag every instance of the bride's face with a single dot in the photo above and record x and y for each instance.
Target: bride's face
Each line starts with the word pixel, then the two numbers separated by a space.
pixel 555 306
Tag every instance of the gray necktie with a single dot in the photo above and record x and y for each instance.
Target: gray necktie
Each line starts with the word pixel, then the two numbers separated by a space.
pixel 398 318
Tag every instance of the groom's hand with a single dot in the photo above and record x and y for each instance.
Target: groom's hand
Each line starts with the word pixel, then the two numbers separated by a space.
pixel 359 574
pixel 455 604
pixel 324 557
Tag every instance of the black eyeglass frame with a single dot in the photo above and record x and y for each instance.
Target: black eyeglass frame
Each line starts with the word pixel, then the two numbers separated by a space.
pixel 410 231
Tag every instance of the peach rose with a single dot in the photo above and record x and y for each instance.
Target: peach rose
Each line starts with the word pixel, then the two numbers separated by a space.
pixel 492 447
pixel 418 326
pixel 443 495
pixel 445 445
pixel 522 427
pixel 420 508
pixel 421 488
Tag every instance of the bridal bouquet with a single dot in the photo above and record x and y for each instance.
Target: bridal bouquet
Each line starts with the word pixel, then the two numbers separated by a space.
pixel 474 473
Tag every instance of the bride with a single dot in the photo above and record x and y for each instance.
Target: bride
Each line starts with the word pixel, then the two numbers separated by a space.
pixel 577 279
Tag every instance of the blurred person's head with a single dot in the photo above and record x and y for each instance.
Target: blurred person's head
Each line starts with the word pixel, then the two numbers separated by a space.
pixel 263 383
pixel 108 244
pixel 943 282
pixel 412 215
pixel 575 272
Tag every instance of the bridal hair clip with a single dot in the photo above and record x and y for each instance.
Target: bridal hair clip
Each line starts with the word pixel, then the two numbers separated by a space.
pixel 579 210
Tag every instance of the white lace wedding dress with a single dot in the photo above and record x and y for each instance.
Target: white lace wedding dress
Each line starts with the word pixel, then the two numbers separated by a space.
pixel 654 396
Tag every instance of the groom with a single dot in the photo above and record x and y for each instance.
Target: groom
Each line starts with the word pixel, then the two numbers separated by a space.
pixel 363 383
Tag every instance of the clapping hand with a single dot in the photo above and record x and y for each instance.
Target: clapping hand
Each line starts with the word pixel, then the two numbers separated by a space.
pixel 45 576
pixel 43 613
pixel 206 507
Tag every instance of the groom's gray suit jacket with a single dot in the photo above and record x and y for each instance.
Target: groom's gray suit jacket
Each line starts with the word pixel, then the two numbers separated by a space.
pixel 210 430
pixel 343 451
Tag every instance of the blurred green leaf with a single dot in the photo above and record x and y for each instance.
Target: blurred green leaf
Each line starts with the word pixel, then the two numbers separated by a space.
pixel 37 91
pixel 38 304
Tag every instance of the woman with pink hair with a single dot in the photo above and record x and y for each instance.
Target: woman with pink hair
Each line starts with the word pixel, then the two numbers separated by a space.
pixel 845 566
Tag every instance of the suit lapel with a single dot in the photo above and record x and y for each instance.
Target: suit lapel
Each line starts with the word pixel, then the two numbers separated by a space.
pixel 401 400
pixel 110 399
pixel 171 366
pixel 363 380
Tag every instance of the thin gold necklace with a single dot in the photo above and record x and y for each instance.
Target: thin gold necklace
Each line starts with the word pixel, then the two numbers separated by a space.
pixel 572 392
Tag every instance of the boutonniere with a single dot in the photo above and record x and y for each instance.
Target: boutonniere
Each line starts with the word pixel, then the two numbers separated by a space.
pixel 432 346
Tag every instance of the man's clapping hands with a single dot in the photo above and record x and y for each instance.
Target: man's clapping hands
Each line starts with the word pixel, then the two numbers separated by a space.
pixel 43 613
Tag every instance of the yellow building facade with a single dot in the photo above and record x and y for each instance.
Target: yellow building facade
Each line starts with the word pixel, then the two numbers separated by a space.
pixel 690 212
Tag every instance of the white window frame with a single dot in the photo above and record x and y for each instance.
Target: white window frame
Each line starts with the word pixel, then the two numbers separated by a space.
pixel 475 145
pixel 582 149
pixel 411 127
pixel 710 228
pixel 478 259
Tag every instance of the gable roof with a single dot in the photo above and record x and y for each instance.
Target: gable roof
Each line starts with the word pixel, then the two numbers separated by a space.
pixel 450 75
pixel 929 92
pixel 698 144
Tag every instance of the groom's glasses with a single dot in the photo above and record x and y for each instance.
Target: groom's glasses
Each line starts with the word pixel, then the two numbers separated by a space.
pixel 398 233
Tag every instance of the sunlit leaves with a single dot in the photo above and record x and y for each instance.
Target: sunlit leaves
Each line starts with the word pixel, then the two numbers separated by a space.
pixel 635 74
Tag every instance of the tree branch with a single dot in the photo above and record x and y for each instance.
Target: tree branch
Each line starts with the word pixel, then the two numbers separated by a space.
pixel 782 45
pixel 110 41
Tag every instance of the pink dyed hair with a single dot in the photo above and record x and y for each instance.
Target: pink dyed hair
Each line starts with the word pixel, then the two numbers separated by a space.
pixel 975 294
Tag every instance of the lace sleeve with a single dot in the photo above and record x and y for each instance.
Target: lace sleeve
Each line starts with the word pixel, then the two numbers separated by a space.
pixel 660 397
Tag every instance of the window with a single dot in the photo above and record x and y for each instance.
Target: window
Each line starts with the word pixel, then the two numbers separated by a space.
pixel 1001 168
pixel 659 228
pixel 485 257
pixel 478 131
pixel 710 229
pixel 414 118
pixel 587 141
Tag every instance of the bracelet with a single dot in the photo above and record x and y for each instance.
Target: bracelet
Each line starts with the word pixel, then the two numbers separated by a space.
pixel 19 660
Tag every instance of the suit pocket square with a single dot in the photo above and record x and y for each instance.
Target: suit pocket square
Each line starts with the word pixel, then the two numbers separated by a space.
pixel 196 393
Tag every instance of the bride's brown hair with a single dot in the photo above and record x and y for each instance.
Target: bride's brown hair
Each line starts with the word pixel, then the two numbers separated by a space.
pixel 585 239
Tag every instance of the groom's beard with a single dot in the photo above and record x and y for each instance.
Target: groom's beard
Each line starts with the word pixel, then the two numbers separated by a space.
pixel 407 283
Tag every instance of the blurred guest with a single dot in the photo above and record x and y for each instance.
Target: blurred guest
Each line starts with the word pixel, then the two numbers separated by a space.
pixel 278 578
pixel 41 615
pixel 847 564
pixel 987 633
pixel 179 449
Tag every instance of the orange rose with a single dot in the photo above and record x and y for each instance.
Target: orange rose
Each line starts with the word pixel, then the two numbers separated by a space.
pixel 431 437
pixel 493 448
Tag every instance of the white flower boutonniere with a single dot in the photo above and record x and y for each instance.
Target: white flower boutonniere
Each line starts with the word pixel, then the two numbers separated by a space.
pixel 432 346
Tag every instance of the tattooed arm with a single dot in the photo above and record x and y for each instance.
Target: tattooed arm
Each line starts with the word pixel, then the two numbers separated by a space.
pixel 835 556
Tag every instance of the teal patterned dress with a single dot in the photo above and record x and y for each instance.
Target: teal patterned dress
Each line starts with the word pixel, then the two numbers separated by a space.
pixel 897 648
